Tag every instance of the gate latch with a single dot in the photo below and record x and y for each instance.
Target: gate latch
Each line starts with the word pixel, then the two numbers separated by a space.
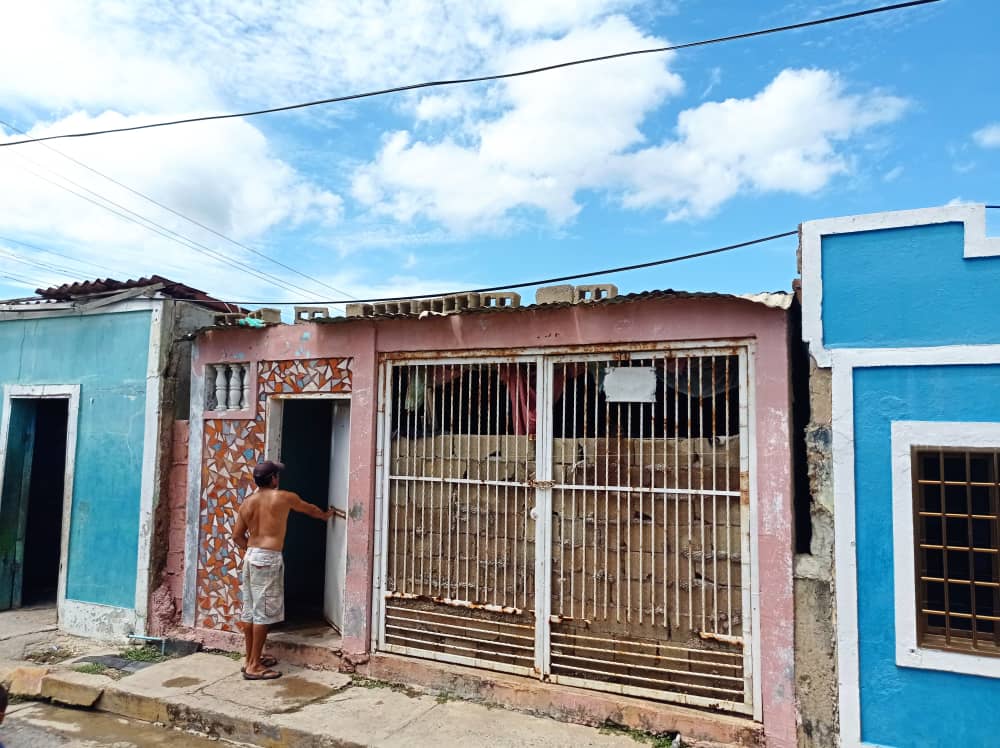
pixel 543 484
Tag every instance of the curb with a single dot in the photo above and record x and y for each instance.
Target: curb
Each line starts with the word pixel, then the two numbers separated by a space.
pixel 184 712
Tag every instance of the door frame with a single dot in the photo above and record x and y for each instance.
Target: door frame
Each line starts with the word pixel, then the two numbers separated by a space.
pixel 273 416
pixel 70 393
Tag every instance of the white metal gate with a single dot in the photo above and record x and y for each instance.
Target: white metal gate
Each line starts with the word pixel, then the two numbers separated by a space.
pixel 582 518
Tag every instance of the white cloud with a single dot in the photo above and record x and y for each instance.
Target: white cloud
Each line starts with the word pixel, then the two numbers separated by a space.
pixel 893 174
pixel 555 15
pixel 784 139
pixel 547 143
pixel 224 175
pixel 988 137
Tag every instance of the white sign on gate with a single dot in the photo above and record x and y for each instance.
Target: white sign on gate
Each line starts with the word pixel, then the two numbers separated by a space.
pixel 630 384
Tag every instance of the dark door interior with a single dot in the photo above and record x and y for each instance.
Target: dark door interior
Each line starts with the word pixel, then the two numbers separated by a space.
pixel 43 531
pixel 31 505
pixel 306 434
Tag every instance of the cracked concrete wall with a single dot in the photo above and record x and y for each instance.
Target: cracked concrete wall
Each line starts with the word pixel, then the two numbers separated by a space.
pixel 815 622
pixel 180 321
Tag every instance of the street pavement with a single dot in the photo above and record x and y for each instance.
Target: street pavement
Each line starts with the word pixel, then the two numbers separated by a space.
pixel 34 725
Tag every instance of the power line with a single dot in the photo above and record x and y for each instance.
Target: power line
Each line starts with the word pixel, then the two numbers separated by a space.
pixel 20 279
pixel 181 215
pixel 484 78
pixel 102 268
pixel 575 276
pixel 149 224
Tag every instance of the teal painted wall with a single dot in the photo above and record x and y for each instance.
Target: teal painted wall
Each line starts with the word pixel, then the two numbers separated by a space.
pixel 107 356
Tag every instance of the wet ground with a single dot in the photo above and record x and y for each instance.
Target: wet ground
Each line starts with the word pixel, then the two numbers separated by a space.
pixel 46 726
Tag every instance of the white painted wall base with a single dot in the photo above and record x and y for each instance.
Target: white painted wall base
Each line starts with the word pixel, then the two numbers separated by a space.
pixel 96 621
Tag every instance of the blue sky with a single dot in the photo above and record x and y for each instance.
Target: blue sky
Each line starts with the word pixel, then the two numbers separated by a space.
pixel 602 165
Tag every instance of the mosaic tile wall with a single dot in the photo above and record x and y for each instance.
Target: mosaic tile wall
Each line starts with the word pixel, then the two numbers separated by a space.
pixel 231 448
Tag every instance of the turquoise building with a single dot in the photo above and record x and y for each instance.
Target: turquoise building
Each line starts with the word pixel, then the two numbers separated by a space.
pixel 902 308
pixel 91 377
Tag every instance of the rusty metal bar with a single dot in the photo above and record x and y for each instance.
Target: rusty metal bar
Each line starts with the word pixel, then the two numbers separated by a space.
pixel 677 504
pixel 715 519
pixel 729 521
pixel 690 550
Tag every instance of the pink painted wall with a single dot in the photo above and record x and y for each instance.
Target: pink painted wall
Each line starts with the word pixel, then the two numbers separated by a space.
pixel 653 320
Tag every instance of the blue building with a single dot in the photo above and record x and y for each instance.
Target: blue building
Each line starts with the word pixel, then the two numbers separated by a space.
pixel 903 308
pixel 91 376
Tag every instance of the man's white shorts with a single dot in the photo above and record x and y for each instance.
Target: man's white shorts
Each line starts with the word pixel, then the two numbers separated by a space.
pixel 263 586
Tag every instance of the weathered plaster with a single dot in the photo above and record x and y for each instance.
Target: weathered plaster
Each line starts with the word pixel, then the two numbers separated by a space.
pixel 621 324
pixel 815 631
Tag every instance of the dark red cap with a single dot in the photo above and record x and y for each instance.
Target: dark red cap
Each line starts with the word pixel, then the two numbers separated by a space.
pixel 266 469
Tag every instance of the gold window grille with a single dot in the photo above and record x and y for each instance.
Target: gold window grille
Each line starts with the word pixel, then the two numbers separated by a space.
pixel 957 521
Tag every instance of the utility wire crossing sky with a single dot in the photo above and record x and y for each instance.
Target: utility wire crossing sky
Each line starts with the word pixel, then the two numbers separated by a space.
pixel 485 78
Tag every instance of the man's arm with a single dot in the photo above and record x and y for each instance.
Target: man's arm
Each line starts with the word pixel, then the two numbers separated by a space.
pixel 240 531
pixel 296 504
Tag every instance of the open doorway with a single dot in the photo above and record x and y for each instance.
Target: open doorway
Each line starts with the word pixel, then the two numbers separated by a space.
pixel 310 435
pixel 32 500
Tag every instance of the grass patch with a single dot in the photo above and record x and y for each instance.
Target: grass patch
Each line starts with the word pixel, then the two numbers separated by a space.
pixel 91 668
pixel 143 654
pixel 639 736
pixel 445 696
pixel 235 656
pixel 49 655
pixel 362 682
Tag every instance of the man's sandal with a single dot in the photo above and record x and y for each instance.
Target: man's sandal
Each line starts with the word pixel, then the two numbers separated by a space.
pixel 266 675
pixel 265 660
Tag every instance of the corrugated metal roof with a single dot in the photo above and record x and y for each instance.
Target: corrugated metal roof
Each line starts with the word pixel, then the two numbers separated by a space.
pixel 774 300
pixel 104 286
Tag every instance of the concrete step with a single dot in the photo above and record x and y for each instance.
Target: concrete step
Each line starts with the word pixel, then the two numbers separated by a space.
pixel 565 703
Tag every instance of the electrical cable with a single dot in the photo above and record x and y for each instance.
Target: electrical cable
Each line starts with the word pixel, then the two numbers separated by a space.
pixel 544 281
pixel 163 231
pixel 101 268
pixel 482 78
pixel 181 215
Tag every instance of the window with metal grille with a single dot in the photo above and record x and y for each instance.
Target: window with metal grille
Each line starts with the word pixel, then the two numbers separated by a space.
pixel 957 522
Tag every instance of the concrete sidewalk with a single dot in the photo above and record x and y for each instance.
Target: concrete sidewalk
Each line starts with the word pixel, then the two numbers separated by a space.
pixel 206 693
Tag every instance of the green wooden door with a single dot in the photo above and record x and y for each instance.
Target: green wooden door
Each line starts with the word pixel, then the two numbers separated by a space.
pixel 14 500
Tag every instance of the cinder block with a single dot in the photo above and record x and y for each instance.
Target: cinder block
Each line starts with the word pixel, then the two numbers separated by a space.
pixel 267 315
pixel 308 313
pixel 596 292
pixel 360 310
pixel 555 295
pixel 504 299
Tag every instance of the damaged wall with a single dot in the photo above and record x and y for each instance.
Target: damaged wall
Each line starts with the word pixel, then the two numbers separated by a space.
pixel 815 624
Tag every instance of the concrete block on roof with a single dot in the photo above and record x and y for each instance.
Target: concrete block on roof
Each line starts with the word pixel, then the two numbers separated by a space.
pixel 555 295
pixel 505 298
pixel 596 292
pixel 267 316
pixel 359 310
pixel 308 313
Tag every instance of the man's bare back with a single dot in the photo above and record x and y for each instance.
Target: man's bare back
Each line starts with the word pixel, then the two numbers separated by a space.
pixel 263 517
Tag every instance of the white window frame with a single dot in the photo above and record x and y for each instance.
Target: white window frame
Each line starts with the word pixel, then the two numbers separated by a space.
pixel 927 434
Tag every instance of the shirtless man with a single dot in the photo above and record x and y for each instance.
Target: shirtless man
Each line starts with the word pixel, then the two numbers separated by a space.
pixel 260 532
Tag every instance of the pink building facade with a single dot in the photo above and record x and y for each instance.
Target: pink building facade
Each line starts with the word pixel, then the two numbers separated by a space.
pixel 596 494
